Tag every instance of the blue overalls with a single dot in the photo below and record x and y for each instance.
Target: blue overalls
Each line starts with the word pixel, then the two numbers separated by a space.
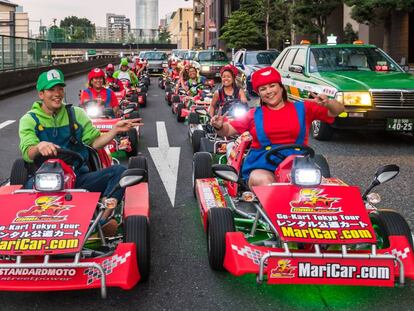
pixel 256 158
pixel 108 97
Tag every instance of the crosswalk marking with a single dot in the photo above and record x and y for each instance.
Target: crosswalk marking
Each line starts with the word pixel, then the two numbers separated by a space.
pixel 5 123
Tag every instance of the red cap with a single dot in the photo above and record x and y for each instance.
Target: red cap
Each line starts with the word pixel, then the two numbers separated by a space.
pixel 110 67
pixel 265 76
pixel 96 73
pixel 186 63
pixel 230 68
pixel 173 63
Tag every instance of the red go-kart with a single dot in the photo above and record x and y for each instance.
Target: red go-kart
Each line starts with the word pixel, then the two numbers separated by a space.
pixel 51 237
pixel 306 228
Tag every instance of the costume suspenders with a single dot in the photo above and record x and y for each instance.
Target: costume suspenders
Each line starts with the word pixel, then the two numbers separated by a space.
pixel 73 126
pixel 108 96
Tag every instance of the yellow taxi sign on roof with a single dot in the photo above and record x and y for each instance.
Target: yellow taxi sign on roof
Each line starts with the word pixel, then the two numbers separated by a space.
pixel 304 42
pixel 358 42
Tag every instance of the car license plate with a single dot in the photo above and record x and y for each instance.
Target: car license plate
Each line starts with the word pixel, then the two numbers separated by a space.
pixel 400 125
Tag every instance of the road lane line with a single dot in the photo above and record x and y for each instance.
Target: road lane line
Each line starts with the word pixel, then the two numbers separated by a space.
pixel 5 123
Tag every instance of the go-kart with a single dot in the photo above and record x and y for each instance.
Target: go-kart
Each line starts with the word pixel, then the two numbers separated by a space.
pixel 52 237
pixel 137 94
pixel 170 90
pixel 306 228
pixel 202 100
pixel 104 119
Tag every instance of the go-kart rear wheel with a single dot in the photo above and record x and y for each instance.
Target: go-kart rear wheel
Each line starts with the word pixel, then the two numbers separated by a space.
pixel 138 162
pixel 196 139
pixel 193 118
pixel 133 138
pixel 389 223
pixel 175 99
pixel 321 130
pixel 202 162
pixel 144 100
pixel 179 109
pixel 137 231
pixel 323 164
pixel 220 221
pixel 19 173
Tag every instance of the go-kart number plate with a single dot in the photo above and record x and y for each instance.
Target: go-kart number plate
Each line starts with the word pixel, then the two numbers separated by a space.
pixel 364 272
pixel 400 125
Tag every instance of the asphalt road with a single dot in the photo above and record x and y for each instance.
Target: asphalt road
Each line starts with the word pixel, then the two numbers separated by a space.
pixel 180 276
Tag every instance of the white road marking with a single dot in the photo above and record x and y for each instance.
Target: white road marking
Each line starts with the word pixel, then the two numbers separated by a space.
pixel 166 160
pixel 5 123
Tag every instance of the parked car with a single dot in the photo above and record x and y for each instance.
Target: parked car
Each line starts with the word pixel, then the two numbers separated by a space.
pixel 376 92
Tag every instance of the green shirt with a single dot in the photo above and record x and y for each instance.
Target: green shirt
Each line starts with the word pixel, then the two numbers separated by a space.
pixel 27 126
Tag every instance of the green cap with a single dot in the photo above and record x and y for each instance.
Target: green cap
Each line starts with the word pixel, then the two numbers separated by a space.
pixel 49 79
pixel 124 62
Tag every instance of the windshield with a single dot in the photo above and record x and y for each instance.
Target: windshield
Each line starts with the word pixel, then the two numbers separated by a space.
pixel 155 56
pixel 350 59
pixel 259 58
pixel 189 55
pixel 211 56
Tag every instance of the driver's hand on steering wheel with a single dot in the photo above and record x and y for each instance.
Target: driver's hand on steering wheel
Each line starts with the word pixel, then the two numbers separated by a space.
pixel 47 149
pixel 217 121
pixel 125 125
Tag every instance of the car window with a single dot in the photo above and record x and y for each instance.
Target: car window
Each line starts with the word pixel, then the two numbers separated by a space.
pixel 212 56
pixel 259 58
pixel 189 55
pixel 238 58
pixel 279 59
pixel 155 56
pixel 288 59
pixel 300 58
pixel 350 59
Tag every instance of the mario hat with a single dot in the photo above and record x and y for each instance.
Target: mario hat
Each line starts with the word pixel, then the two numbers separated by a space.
pixel 234 71
pixel 49 79
pixel 265 76
pixel 96 73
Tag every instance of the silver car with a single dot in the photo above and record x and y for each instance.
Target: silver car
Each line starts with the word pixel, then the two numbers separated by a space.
pixel 157 60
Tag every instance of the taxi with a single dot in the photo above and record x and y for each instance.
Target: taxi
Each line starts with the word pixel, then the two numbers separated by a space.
pixel 377 93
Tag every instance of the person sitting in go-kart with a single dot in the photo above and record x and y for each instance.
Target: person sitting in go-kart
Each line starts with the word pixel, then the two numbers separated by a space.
pixel 46 128
pixel 276 122
pixel 174 70
pixel 195 82
pixel 140 65
pixel 112 82
pixel 98 92
pixel 184 74
pixel 228 93
pixel 125 73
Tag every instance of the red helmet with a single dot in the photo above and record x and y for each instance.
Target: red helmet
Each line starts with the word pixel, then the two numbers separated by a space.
pixel 96 73
pixel 232 69
pixel 173 63
pixel 110 67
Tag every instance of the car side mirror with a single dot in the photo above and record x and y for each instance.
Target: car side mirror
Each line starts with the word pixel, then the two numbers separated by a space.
pixel 226 172
pixel 383 174
pixel 296 68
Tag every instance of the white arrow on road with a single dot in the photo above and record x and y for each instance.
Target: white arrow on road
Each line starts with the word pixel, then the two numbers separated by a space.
pixel 166 160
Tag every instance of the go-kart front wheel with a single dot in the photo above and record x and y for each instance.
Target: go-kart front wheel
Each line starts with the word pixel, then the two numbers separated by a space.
pixel 133 138
pixel 220 221
pixel 137 231
pixel 196 139
pixel 321 130
pixel 180 107
pixel 19 173
pixel 202 163
pixel 193 118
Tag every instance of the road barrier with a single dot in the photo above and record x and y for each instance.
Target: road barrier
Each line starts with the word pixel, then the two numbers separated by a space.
pixel 20 80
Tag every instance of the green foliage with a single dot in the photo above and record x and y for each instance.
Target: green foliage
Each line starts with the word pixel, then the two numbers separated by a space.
pixel 310 16
pixel 350 35
pixel 240 31
pixel 164 36
pixel 78 29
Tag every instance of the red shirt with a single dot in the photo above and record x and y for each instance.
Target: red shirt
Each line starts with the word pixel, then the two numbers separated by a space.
pixel 102 95
pixel 281 126
pixel 115 80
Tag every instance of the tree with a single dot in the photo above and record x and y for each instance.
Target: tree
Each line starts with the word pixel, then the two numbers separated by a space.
pixel 350 35
pixel 378 12
pixel 240 31
pixel 164 35
pixel 78 29
pixel 310 16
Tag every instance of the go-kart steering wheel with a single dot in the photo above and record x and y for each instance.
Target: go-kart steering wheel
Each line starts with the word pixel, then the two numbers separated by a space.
pixel 68 156
pixel 277 152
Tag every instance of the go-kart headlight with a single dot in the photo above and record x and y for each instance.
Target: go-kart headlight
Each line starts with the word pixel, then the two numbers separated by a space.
pixel 93 111
pixel 239 112
pixel 361 99
pixel 307 177
pixel 205 68
pixel 49 182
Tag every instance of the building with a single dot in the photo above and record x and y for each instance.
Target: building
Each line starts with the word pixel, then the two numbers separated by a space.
pixel 13 21
pixel 102 34
pixel 118 27
pixel 181 28
pixel 199 23
pixel 146 19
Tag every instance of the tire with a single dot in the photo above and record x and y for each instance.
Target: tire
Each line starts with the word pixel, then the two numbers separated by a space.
pixel 321 130
pixel 323 164
pixel 133 115
pixel 390 223
pixel 196 139
pixel 19 173
pixel 134 98
pixel 133 137
pixel 168 89
pixel 180 119
pixel 193 118
pixel 202 163
pixel 175 99
pixel 206 145
pixel 220 221
pixel 138 162
pixel 144 104
pixel 137 231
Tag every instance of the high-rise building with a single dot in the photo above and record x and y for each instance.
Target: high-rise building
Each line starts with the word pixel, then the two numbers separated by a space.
pixel 147 19
pixel 118 27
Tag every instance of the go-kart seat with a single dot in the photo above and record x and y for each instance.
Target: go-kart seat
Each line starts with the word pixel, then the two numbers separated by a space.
pixel 94 162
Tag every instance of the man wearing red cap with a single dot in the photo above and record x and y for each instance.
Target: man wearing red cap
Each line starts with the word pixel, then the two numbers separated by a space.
pixel 276 122
pixel 97 91
pixel 224 96
pixel 114 83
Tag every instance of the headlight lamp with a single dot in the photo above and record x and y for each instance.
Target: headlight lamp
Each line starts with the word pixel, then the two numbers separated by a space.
pixel 49 182
pixel 93 111
pixel 361 99
pixel 205 68
pixel 305 172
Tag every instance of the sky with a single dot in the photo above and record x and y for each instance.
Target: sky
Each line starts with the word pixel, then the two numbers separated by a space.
pixel 94 10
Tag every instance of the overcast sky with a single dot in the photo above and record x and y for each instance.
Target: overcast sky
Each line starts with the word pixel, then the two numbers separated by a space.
pixel 93 10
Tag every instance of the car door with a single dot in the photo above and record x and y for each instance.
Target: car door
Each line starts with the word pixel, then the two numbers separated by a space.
pixel 297 79
pixel 283 68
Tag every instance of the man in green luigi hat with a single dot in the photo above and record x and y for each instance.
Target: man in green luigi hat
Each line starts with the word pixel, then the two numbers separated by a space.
pixel 125 73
